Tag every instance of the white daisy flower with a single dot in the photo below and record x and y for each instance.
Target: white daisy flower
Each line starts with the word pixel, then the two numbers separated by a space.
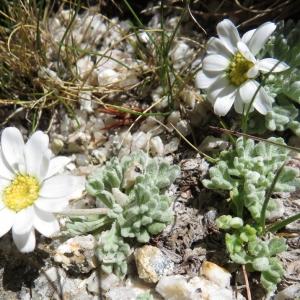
pixel 230 68
pixel 29 193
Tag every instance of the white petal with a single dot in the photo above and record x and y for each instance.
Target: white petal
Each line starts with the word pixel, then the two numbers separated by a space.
pixel 13 147
pixel 260 36
pixel 7 218
pixel 25 242
pixel 247 36
pixel 34 151
pixel 215 89
pixel 24 221
pixel 263 102
pixel 52 204
pixel 239 105
pixel 247 90
pixel 253 72
pixel 6 171
pixel 244 50
pixel 56 165
pixel 225 100
pixel 45 222
pixel 215 46
pixel 228 35
pixel 80 188
pixel 44 168
pixel 58 186
pixel 204 80
pixel 267 64
pixel 215 62
pixel 4 183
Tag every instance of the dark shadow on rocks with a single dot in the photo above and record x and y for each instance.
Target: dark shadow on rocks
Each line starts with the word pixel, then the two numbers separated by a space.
pixel 19 269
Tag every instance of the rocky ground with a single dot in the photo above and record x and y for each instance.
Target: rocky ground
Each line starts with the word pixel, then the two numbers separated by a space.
pixel 184 246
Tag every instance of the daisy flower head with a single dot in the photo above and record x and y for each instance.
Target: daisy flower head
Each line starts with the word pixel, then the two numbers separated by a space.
pixel 29 193
pixel 230 68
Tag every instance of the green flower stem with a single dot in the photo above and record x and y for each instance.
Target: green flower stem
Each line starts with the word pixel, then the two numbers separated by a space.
pixel 262 221
pixel 245 116
pixel 233 140
pixel 84 212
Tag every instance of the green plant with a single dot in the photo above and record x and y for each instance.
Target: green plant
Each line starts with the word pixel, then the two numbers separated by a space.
pixel 249 170
pixel 247 248
pixel 251 173
pixel 132 189
pixel 283 87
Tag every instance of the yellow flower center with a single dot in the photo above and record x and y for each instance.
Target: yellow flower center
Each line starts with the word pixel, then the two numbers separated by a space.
pixel 238 68
pixel 21 193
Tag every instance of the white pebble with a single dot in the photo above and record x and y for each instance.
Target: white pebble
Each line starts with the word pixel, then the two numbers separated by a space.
pixel 134 170
pixel 64 124
pixel 277 212
pixel 188 97
pixel 100 155
pixel 291 292
pixel 93 27
pixel 152 264
pixel 139 141
pixel 123 152
pixel 144 37
pixel 175 288
pixel 120 197
pixel 82 160
pixel 148 124
pixel 106 281
pixel 173 119
pixel 85 101
pixel 180 55
pixel 172 146
pixel 213 144
pixel 77 254
pixel 178 287
pixel 157 146
pixel 120 293
pixel 216 274
pixel 46 73
pixel 107 77
pixel 184 128
pixel 83 67
pixel 204 166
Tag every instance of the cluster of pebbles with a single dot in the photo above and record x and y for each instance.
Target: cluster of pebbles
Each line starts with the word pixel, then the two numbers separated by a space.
pixel 112 67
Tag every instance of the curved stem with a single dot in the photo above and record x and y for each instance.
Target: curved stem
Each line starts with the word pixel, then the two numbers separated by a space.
pixel 84 212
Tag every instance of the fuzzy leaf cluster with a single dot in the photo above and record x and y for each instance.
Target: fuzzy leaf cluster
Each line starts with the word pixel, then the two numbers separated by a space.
pixel 132 190
pixel 284 43
pixel 103 180
pixel 112 252
pixel 246 248
pixel 161 174
pixel 147 214
pixel 284 114
pixel 249 170
pixel 79 225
